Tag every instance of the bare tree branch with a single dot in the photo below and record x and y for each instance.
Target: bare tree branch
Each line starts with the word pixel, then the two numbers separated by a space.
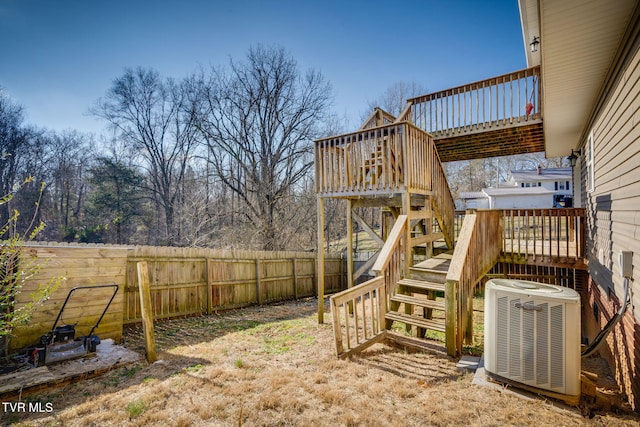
pixel 259 118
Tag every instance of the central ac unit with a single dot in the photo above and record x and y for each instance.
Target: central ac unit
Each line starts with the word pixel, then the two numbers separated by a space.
pixel 532 335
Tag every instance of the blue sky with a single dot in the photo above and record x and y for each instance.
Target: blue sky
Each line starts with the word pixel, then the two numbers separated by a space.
pixel 58 57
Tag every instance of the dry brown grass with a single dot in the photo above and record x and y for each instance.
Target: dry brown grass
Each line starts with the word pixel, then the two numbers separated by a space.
pixel 274 365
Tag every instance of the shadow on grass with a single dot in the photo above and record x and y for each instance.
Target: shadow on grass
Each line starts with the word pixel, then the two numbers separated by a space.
pixel 195 330
pixel 421 366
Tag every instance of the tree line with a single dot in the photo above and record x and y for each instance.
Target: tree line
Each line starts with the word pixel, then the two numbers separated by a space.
pixel 220 158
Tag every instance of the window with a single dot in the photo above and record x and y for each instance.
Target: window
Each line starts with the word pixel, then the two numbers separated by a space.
pixel 589 160
pixel 528 184
pixel 561 186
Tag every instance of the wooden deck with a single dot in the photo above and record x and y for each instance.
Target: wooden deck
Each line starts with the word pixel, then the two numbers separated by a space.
pixel 553 237
pixel 498 116
pixel 387 159
pixel 549 253
pixel 493 142
pixel 543 237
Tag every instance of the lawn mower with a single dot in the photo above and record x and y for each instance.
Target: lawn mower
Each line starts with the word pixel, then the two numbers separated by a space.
pixel 61 343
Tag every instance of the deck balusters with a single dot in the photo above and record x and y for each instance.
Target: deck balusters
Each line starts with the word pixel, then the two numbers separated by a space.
pixel 450 114
pixel 544 235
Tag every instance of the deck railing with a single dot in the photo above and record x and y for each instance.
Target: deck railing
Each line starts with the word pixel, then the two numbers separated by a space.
pixel 546 235
pixel 477 251
pixel 383 159
pixel 359 313
pixel 442 201
pixel 458 219
pixel 508 100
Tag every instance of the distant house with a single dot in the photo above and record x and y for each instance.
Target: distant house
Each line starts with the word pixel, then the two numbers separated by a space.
pixel 472 200
pixel 525 189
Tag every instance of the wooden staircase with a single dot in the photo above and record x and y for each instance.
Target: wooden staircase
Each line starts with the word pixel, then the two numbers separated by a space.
pixel 435 294
pixel 373 166
pixel 393 165
pixel 418 300
pixel 396 163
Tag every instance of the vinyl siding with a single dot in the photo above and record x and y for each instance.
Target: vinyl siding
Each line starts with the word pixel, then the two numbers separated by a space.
pixel 613 212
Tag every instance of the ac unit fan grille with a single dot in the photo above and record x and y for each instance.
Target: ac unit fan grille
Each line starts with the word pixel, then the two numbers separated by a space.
pixel 530 342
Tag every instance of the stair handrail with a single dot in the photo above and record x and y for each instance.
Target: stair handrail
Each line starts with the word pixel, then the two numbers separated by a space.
pixel 390 246
pixel 477 250
pixel 443 203
pixel 360 328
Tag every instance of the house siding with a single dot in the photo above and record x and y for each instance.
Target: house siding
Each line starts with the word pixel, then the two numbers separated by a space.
pixel 613 219
pixel 544 201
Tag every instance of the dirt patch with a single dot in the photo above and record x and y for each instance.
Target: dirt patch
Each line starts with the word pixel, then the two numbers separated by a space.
pixel 275 365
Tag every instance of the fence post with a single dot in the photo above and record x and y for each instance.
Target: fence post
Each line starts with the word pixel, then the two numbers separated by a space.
pixel 147 312
pixel 258 284
pixel 209 285
pixel 295 278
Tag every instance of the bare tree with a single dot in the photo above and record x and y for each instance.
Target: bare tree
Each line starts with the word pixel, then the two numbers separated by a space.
pixel 259 118
pixel 14 144
pixel 69 156
pixel 394 98
pixel 22 158
pixel 155 118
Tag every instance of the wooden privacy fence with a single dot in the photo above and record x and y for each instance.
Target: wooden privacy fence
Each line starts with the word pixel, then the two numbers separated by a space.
pixel 183 282
pixel 80 265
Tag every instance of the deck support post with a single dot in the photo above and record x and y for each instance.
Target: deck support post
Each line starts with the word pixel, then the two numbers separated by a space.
pixel 349 244
pixel 451 321
pixel 406 210
pixel 320 260
pixel 408 251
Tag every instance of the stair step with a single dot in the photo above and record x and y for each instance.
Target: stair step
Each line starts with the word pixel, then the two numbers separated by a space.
pixel 372 163
pixel 415 343
pixel 428 275
pixel 422 285
pixel 416 321
pixel 439 263
pixel 420 302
